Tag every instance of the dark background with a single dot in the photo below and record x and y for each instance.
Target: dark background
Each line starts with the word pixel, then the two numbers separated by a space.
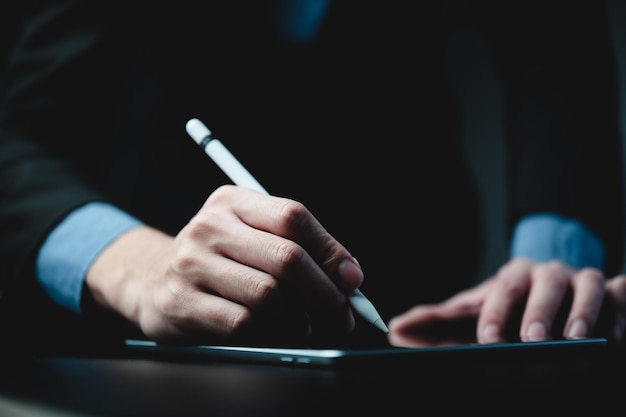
pixel 473 77
pixel 474 80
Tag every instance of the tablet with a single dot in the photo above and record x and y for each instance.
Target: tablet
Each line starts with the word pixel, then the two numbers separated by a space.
pixel 386 356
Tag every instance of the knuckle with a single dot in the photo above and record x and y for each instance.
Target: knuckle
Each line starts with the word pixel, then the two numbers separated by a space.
pixel 619 284
pixel 292 213
pixel 552 267
pixel 204 224
pixel 510 286
pixel 289 255
pixel 517 264
pixel 172 301
pixel 238 323
pixel 222 192
pixel 593 274
pixel 183 260
pixel 264 291
pixel 552 272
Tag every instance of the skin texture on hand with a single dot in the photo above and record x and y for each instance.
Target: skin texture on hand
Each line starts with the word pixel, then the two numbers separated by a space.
pixel 524 300
pixel 247 267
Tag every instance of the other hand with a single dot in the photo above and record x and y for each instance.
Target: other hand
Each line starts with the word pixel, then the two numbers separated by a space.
pixel 524 298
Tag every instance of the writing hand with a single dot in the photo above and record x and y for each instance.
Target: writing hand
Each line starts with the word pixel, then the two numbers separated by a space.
pixel 246 265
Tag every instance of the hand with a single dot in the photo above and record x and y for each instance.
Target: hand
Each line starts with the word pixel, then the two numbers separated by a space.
pixel 616 296
pixel 525 292
pixel 247 265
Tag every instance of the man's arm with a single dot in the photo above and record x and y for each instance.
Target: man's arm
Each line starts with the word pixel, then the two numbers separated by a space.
pixel 70 249
pixel 46 84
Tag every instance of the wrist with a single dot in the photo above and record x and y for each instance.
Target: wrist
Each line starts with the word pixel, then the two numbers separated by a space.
pixel 119 278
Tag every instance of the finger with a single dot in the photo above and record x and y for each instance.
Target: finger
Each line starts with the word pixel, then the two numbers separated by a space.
pixel 293 221
pixel 428 325
pixel 277 316
pixel 464 304
pixel 510 285
pixel 616 293
pixel 291 266
pixel 589 290
pixel 180 311
pixel 413 318
pixel 209 256
pixel 227 278
pixel 550 282
pixel 441 323
pixel 267 250
pixel 197 317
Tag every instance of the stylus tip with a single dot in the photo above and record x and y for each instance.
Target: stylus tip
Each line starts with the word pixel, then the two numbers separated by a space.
pixel 381 325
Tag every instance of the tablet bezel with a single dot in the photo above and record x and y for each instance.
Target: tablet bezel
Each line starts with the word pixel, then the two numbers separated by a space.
pixel 388 356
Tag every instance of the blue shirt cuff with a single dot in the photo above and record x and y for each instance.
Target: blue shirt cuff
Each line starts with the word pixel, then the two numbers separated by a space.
pixel 545 237
pixel 68 252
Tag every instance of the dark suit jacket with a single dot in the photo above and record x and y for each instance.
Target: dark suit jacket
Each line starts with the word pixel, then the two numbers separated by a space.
pixel 361 127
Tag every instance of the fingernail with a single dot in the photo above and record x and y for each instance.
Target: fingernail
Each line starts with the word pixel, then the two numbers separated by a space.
pixel 351 273
pixel 490 334
pixel 536 332
pixel 577 330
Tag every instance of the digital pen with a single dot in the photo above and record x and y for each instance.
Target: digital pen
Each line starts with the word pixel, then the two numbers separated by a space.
pixel 240 176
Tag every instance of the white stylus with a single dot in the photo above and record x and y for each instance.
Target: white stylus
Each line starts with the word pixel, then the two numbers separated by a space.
pixel 240 176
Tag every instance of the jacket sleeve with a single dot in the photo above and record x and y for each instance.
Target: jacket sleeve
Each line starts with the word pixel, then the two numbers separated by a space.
pixel 560 98
pixel 51 107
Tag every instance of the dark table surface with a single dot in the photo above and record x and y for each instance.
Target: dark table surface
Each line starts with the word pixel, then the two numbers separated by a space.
pixel 131 385
pixel 121 384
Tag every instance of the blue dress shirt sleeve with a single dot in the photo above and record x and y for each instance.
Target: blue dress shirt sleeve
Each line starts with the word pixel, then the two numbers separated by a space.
pixel 544 237
pixel 68 252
